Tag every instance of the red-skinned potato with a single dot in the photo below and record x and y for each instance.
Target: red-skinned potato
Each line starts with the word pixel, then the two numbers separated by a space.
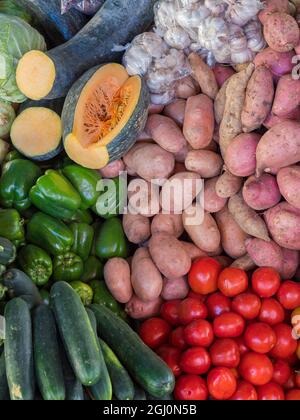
pixel 222 73
pixel 146 280
pixel 261 193
pixel 240 157
pixel 228 185
pixel 136 227
pixel 265 254
pixel 198 127
pixel 143 198
pixel 244 263
pixel 181 156
pixel 117 279
pixel 204 75
pixel 289 184
pixel 186 87
pixel 272 6
pixel 176 111
pixel 169 255
pixel 155 109
pixel 137 309
pixel 279 63
pixel 175 288
pixel 212 202
pixel 272 119
pixel 167 223
pixel 291 261
pixel 113 169
pixel 287 97
pixel 206 163
pixel 281 32
pixel 193 251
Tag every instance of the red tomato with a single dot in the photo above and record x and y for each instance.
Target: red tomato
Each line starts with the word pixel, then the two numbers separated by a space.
pixel 177 338
pixel 293 395
pixel 244 392
pixel 265 282
pixel 292 360
pixel 270 392
pixel 282 372
pixel 191 387
pixel 286 345
pixel 289 295
pixel 171 356
pixel 225 352
pixel 203 276
pixel 169 311
pixel 195 360
pixel 247 304
pixel 229 325
pixel 297 380
pixel 241 345
pixel 260 337
pixel 190 310
pixel 221 383
pixel 154 332
pixel 199 333
pixel 256 368
pixel 217 304
pixel 232 281
pixel 194 295
pixel 271 312
pixel 291 383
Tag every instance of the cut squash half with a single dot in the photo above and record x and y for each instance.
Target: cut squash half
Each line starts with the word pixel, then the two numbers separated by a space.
pixel 103 114
pixel 37 133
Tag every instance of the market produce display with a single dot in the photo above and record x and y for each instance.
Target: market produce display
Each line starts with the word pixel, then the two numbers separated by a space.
pixel 149 200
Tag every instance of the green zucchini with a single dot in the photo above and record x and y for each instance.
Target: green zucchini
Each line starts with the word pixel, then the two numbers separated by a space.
pixel 77 333
pixel 47 360
pixel 7 251
pixel 18 350
pixel 74 388
pixel 4 392
pixel 147 369
pixel 139 394
pixel 123 387
pixel 20 285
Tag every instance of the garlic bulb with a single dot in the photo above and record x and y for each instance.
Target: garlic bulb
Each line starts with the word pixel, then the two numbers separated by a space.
pixel 254 35
pixel 164 16
pixel 191 18
pixel 163 98
pixel 211 30
pixel 240 53
pixel 217 7
pixel 137 60
pixel 177 38
pixel 240 12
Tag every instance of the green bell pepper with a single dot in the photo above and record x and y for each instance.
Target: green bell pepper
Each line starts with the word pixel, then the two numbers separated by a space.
pixel 102 296
pixel 12 155
pixel 36 263
pixel 18 177
pixel 82 216
pixel 12 226
pixel 45 295
pixel 85 181
pixel 84 291
pixel 50 234
pixel 67 267
pixel 111 200
pixel 92 270
pixel 54 195
pixel 111 241
pixel 83 239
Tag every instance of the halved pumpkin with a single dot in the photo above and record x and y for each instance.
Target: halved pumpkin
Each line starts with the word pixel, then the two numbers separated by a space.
pixel 103 114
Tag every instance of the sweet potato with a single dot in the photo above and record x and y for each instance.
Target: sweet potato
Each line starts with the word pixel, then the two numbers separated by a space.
pixel 175 289
pixel 289 184
pixel 144 137
pixel 231 124
pixel 244 263
pixel 165 132
pixel 198 126
pixel 279 63
pixel 155 109
pixel 258 100
pixel 248 220
pixel 272 119
pixel 261 193
pixel 169 255
pixel 204 75
pixel 220 102
pixel 176 111
pixel 287 97
pixel 232 236
pixel 240 156
pixel 150 162
pixel 212 202
pixel 143 198
pixel 283 222
pixel 224 260
pixel 137 309
pixel 265 254
pixel 170 224
pixel 186 87
pixel 205 234
pixel 278 148
pixel 281 32
pixel 113 169
pixel 146 279
pixel 136 227
pixel 272 6
pixel 206 163
pixel 180 191
pixel 291 262
pixel 228 185
pixel 117 279
pixel 193 251
pixel 222 73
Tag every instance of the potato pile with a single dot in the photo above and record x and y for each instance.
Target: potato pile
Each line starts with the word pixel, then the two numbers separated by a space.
pixel 239 131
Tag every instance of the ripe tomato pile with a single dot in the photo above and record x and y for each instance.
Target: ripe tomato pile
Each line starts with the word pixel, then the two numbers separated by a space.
pixel 232 338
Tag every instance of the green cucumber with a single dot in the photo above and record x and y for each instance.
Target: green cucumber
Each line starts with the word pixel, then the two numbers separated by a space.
pixel 123 387
pixel 48 366
pixel 4 392
pixel 77 333
pixel 147 369
pixel 102 390
pixel 18 350
pixel 139 394
pixel 74 388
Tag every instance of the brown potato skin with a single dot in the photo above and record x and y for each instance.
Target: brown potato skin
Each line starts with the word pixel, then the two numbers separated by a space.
pixel 113 169
pixel 117 279
pixel 259 99
pixel 176 111
pixel 137 309
pixel 206 163
pixel 175 288
pixel 204 75
pixel 193 251
pixel 136 227
pixel 212 202
pixel 244 263
pixel 167 223
pixel 187 87
pixel 169 255
pixel 199 122
pixel 143 198
pixel 146 280
pixel 220 102
pixel 228 185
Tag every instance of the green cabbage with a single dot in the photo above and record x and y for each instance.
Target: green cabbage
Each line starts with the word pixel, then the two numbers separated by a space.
pixel 10 7
pixel 16 38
